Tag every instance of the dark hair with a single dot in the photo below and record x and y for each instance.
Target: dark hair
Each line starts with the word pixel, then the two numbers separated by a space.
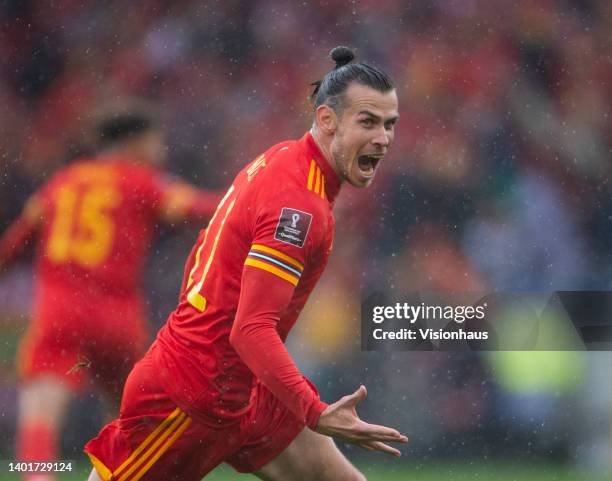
pixel 118 127
pixel 330 90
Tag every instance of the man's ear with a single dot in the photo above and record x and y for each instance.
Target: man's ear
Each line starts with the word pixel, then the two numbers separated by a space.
pixel 326 118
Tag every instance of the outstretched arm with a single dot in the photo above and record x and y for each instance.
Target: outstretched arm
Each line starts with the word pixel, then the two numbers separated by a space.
pixel 181 201
pixel 254 336
pixel 14 240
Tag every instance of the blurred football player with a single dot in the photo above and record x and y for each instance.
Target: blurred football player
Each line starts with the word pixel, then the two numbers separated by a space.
pixel 93 224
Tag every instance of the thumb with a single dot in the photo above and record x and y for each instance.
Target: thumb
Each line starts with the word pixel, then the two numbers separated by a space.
pixel 357 396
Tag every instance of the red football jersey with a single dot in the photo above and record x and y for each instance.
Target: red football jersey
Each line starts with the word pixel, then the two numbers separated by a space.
pixel 271 233
pixel 94 221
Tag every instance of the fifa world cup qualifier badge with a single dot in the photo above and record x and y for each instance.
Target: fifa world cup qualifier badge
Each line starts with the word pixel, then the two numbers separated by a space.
pixel 293 226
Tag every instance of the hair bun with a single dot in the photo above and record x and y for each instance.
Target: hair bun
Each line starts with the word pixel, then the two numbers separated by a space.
pixel 342 56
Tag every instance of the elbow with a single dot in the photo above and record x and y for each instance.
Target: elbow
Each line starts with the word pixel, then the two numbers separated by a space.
pixel 247 333
pixel 236 338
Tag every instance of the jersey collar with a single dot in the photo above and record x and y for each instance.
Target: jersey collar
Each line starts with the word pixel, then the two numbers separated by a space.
pixel 332 181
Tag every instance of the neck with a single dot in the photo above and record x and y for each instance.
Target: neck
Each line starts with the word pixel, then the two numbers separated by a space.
pixel 324 145
pixel 124 151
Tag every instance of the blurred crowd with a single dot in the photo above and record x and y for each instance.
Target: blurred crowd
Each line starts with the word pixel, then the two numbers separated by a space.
pixel 498 179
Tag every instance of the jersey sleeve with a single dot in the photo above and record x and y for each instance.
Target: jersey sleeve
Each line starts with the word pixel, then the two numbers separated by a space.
pixel 286 231
pixel 255 338
pixel 177 200
pixel 21 230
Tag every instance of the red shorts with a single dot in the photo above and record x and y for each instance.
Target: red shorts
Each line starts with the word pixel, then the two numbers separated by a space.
pixel 153 439
pixel 77 343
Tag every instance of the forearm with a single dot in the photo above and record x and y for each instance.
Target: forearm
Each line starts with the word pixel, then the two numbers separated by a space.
pixel 183 202
pixel 256 340
pixel 262 350
pixel 203 205
pixel 14 240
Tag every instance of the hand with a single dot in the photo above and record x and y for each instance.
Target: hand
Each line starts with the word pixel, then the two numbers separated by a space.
pixel 340 420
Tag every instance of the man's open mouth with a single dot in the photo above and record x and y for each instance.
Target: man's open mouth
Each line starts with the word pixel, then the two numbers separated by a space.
pixel 367 164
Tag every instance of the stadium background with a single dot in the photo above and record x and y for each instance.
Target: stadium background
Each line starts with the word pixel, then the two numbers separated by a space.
pixel 498 180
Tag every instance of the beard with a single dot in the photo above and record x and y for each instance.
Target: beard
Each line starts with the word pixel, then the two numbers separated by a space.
pixel 340 157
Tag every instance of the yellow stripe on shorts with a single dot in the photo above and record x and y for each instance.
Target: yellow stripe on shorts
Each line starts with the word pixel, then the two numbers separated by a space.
pixel 161 440
pixel 163 435
pixel 184 425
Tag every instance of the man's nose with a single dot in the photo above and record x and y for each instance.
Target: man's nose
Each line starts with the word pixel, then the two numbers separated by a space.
pixel 382 138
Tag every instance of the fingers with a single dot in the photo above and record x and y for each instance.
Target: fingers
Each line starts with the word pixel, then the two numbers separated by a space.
pixel 382 447
pixel 376 432
pixel 356 397
pixel 341 420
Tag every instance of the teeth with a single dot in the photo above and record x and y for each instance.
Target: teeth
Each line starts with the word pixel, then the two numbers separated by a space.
pixel 367 164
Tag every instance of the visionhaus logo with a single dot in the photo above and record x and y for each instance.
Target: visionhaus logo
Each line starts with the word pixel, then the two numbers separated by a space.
pixel 480 321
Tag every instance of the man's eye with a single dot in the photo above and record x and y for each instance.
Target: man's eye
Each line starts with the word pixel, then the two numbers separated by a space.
pixel 367 122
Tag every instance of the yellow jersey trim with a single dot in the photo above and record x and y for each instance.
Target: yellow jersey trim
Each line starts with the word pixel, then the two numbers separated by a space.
pixel 316 180
pixel 272 270
pixel 311 174
pixel 279 254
